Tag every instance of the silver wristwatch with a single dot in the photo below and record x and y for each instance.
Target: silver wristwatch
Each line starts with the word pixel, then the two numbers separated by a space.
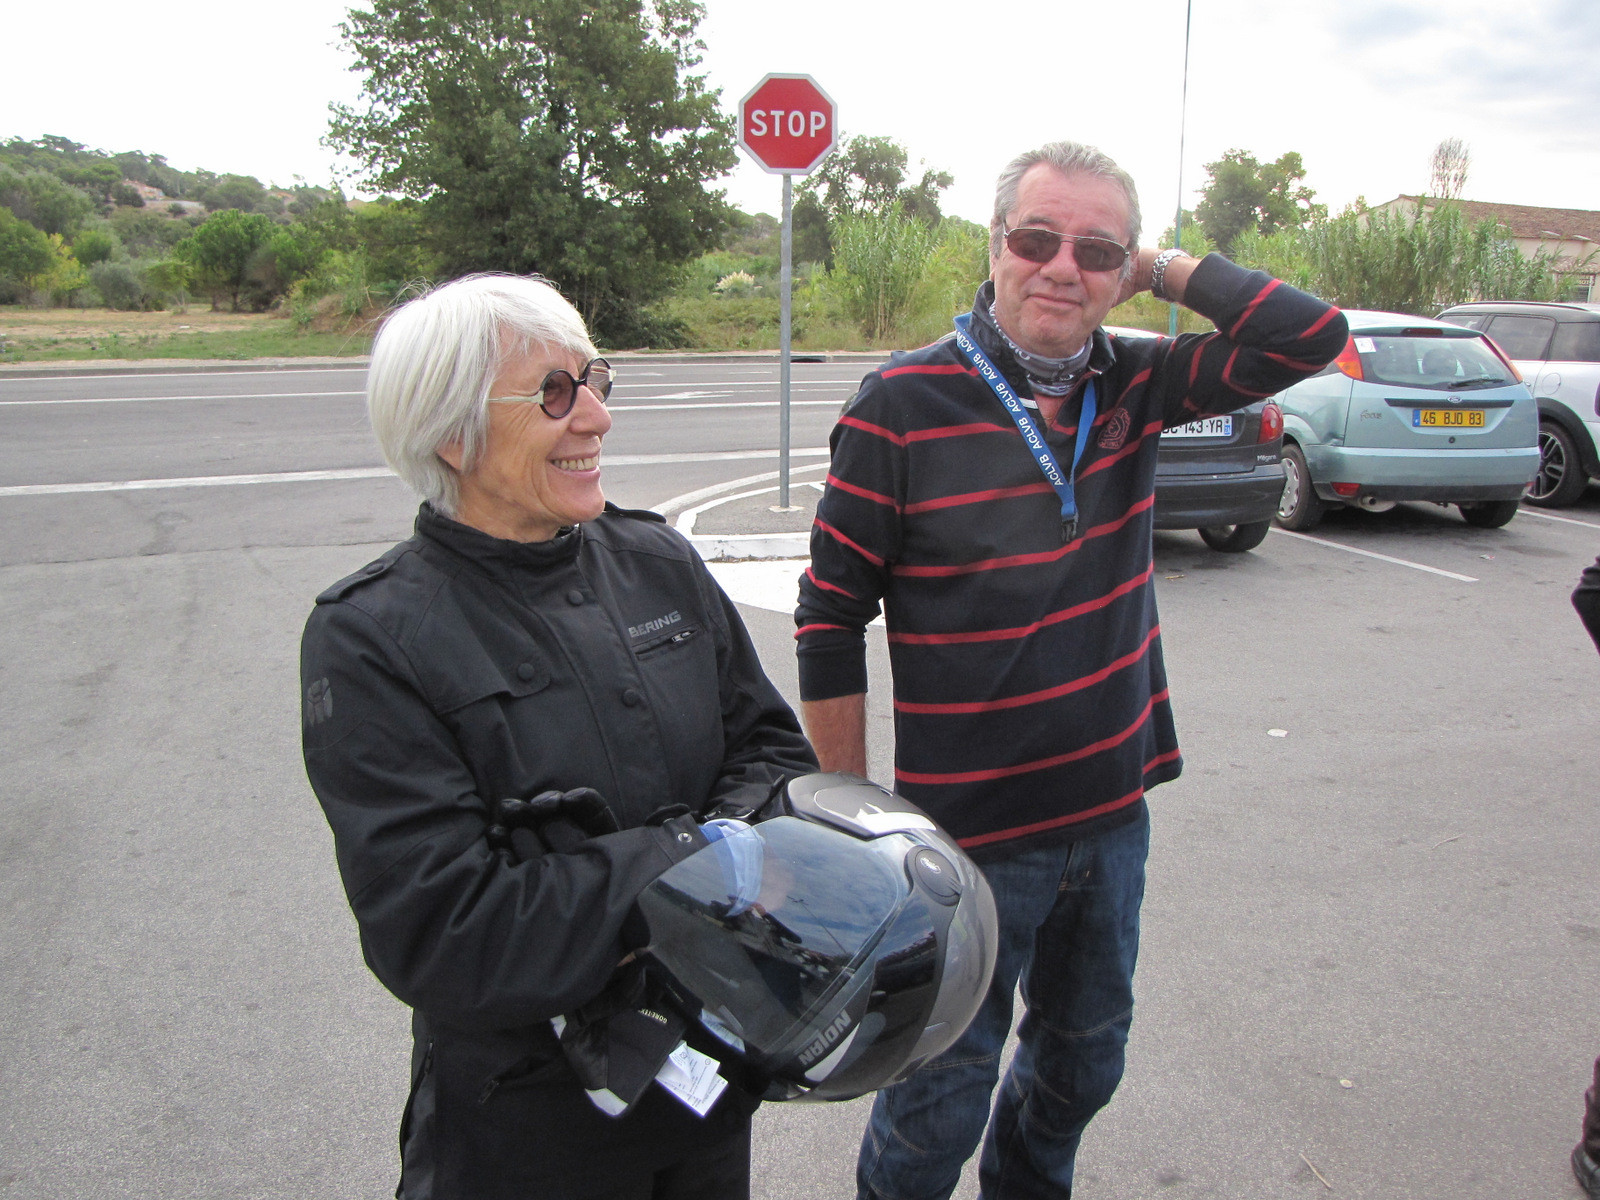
pixel 1158 272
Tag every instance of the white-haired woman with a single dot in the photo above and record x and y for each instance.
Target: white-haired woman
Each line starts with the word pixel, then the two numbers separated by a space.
pixel 529 643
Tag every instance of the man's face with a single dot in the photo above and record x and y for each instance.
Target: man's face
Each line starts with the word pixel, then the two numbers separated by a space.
pixel 1051 308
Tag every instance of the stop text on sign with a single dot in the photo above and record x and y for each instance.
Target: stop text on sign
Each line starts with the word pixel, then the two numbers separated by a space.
pixel 787 124
pixel 794 122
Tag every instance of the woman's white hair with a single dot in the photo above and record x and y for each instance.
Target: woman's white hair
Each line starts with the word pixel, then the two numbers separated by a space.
pixel 435 359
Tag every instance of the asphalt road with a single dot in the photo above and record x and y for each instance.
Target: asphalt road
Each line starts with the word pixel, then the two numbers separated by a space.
pixel 1372 930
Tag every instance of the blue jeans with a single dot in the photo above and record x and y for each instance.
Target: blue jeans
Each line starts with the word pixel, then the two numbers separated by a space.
pixel 1069 926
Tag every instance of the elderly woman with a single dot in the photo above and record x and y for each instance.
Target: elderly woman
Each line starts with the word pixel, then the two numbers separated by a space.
pixel 530 640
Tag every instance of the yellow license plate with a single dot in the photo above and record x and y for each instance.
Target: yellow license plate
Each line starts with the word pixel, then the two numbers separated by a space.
pixel 1447 418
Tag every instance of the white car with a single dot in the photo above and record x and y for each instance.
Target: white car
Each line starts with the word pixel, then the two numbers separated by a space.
pixel 1557 349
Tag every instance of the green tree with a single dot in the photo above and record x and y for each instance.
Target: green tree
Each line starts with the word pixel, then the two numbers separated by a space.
pixel 243 192
pixel 24 251
pixel 222 250
pixel 64 278
pixel 1242 193
pixel 567 137
pixel 93 246
pixel 43 200
pixel 868 174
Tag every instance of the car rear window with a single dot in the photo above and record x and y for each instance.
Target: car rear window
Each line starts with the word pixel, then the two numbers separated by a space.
pixel 1576 341
pixel 1522 337
pixel 1444 364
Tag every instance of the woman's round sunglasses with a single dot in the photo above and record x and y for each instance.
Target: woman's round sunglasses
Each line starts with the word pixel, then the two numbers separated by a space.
pixel 559 390
pixel 1090 253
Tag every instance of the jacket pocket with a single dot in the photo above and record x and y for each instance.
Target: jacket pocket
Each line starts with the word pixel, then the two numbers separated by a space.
pixel 520 671
pixel 662 643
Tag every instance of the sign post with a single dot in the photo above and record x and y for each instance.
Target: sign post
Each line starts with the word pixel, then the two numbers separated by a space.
pixel 787 124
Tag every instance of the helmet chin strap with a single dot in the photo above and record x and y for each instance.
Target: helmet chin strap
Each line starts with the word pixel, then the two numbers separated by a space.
pixel 1049 376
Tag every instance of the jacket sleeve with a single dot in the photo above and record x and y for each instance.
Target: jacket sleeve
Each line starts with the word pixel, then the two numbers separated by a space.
pixel 854 540
pixel 1268 336
pixel 762 742
pixel 1587 601
pixel 462 932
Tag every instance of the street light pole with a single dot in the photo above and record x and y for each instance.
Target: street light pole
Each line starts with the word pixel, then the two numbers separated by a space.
pixel 1183 117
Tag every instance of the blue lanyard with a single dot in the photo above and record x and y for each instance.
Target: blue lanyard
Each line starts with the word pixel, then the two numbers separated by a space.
pixel 1031 437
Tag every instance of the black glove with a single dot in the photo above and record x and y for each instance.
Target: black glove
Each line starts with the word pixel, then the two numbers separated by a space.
pixel 617 1042
pixel 551 821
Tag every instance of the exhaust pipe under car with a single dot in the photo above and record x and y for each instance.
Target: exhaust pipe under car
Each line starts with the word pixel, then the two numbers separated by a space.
pixel 1374 505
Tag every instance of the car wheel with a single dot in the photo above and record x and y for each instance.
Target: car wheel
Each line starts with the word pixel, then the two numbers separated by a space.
pixel 1488 514
pixel 1235 539
pixel 1299 507
pixel 1561 478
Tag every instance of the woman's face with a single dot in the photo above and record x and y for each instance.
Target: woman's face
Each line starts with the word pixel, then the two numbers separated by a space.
pixel 536 475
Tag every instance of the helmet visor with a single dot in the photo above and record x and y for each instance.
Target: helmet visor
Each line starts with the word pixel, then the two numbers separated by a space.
pixel 764 925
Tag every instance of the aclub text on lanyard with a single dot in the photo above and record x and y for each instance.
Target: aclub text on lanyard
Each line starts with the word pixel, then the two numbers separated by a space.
pixel 1058 479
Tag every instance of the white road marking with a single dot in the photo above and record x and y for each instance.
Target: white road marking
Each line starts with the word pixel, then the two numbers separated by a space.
pixel 837 402
pixel 1544 516
pixel 141 485
pixel 159 399
pixel 198 481
pixel 839 399
pixel 1399 562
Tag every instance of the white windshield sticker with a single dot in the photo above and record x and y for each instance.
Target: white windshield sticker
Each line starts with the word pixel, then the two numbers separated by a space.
pixel 1366 345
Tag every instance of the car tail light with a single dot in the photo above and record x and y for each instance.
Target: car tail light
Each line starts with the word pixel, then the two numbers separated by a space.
pixel 1349 360
pixel 1271 423
pixel 1346 489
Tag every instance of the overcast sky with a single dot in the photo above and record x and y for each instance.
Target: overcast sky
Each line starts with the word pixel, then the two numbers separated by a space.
pixel 1363 89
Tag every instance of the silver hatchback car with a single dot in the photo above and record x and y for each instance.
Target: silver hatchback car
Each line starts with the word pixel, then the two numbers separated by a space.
pixel 1412 409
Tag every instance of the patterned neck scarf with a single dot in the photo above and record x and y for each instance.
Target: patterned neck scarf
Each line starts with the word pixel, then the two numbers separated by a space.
pixel 1047 376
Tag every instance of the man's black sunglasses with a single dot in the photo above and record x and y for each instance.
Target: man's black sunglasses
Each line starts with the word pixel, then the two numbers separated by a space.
pixel 559 389
pixel 1090 253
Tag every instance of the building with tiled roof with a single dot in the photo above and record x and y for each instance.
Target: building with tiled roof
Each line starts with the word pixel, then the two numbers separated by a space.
pixel 1571 234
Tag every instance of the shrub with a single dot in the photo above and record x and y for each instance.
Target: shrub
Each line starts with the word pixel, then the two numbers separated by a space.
pixel 880 258
pixel 119 284
pixel 93 246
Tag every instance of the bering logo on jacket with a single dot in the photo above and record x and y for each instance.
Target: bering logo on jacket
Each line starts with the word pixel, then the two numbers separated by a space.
pixel 648 627
pixel 1116 430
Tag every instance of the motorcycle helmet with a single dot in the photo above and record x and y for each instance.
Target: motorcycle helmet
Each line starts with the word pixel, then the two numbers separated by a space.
pixel 828 950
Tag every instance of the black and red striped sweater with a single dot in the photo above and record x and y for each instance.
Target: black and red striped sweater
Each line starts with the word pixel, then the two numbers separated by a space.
pixel 1030 698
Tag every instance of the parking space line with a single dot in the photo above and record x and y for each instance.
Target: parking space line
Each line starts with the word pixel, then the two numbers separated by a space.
pixel 1544 516
pixel 1388 558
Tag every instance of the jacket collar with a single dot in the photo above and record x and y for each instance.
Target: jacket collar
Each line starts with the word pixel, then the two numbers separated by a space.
pixel 492 553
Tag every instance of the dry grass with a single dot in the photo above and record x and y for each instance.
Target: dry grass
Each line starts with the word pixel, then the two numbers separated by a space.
pixel 52 334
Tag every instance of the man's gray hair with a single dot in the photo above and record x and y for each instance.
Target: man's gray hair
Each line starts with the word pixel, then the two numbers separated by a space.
pixel 1070 158
pixel 435 359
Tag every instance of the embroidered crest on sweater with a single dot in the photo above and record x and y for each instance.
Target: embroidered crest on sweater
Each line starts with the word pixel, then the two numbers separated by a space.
pixel 1116 431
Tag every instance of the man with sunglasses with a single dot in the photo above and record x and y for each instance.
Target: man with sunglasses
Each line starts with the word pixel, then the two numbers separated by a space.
pixel 993 493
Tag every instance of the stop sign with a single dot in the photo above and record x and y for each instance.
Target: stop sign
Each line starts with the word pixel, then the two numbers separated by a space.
pixel 786 124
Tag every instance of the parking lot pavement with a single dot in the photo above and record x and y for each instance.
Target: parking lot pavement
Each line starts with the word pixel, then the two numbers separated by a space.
pixel 1371 938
